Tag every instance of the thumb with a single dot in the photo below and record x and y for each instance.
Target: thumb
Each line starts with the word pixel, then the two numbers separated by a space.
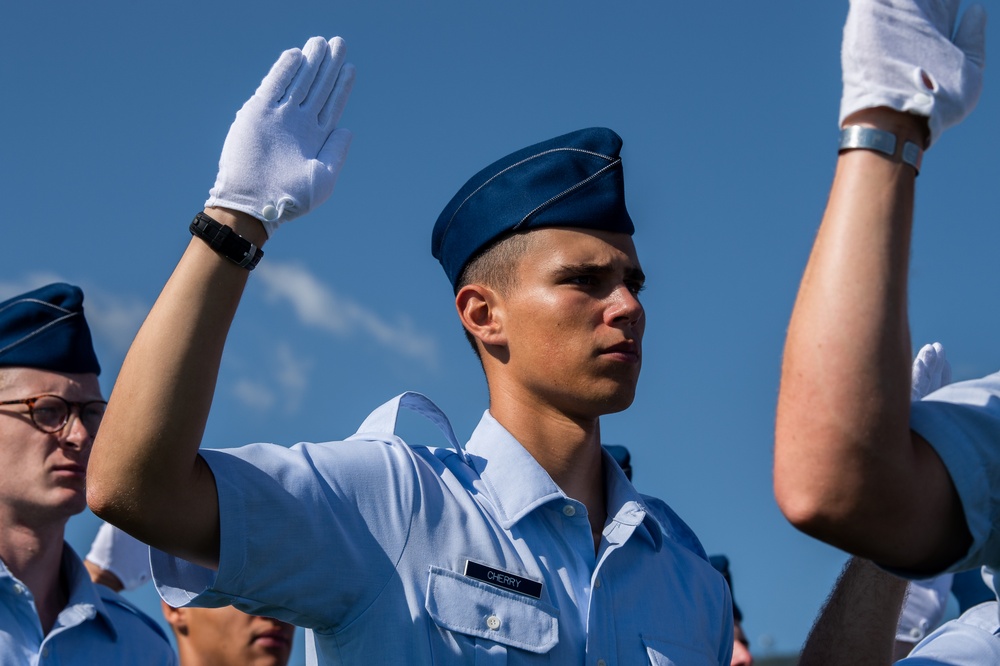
pixel 971 34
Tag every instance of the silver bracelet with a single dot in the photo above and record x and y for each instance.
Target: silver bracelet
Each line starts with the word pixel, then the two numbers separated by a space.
pixel 881 141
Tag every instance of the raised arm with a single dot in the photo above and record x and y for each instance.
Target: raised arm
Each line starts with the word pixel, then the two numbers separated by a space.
pixel 280 160
pixel 848 470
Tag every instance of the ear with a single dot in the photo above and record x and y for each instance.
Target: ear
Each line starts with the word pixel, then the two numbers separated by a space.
pixel 175 617
pixel 481 311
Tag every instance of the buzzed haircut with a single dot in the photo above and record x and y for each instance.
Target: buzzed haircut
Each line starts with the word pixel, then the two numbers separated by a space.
pixel 495 268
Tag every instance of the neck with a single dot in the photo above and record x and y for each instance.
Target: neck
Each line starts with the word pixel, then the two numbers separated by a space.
pixel 568 448
pixel 34 556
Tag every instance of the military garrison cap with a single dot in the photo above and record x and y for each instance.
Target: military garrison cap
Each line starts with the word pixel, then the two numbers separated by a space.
pixel 574 180
pixel 46 329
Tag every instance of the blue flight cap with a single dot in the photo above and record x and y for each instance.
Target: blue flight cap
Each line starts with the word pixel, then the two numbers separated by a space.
pixel 574 180
pixel 45 329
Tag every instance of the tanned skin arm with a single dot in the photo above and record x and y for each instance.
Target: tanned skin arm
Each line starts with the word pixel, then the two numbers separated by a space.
pixel 157 413
pixel 848 470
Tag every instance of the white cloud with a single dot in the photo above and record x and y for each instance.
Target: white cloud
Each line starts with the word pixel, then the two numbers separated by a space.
pixel 291 376
pixel 255 395
pixel 319 306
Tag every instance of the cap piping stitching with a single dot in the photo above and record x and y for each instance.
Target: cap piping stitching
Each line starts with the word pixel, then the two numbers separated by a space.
pixel 39 330
pixel 565 192
pixel 517 164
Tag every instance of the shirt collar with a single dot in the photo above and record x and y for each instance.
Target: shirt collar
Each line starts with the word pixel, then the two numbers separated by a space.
pixel 517 484
pixel 626 506
pixel 84 598
pixel 514 480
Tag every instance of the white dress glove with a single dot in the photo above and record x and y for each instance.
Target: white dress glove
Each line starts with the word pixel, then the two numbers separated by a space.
pixel 930 371
pixel 908 55
pixel 284 151
pixel 125 557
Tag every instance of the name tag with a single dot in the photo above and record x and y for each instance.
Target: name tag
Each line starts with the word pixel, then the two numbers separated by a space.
pixel 504 579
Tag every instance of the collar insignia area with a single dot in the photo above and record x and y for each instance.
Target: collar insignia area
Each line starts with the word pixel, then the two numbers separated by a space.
pixel 503 579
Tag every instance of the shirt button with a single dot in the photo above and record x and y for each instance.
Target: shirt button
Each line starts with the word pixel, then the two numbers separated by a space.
pixel 493 622
pixel 601 662
pixel 18 588
pixel 45 651
pixel 597 583
pixel 569 510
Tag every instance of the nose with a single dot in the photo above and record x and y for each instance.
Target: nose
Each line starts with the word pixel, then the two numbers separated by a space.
pixel 625 306
pixel 74 436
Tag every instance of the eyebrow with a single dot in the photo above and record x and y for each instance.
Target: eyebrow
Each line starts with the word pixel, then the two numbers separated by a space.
pixel 631 273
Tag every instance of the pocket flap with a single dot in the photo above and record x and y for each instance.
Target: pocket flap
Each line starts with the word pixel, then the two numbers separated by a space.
pixel 467 606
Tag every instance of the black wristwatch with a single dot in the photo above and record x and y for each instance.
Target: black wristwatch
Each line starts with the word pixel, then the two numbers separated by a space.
pixel 226 242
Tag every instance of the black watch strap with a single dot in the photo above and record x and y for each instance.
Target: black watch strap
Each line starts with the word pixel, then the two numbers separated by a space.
pixel 226 242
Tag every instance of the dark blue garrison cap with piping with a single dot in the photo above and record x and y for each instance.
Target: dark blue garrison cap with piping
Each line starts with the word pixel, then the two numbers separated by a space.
pixel 46 329
pixel 573 180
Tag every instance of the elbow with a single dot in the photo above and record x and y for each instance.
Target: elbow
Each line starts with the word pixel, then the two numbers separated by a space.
pixel 100 501
pixel 802 506
pixel 824 511
pixel 103 496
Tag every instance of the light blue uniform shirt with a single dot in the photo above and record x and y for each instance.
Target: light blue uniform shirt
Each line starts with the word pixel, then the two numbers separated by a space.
pixel 366 543
pixel 961 422
pixel 96 627
pixel 973 639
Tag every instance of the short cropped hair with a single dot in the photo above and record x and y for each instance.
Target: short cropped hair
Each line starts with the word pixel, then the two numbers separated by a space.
pixel 494 268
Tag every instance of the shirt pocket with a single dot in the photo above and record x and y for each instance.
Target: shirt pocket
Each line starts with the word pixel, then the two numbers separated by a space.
pixel 665 653
pixel 487 621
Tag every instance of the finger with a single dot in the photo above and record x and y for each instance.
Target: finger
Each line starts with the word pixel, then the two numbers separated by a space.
pixel 971 34
pixel 943 374
pixel 334 107
pixel 314 53
pixel 273 87
pixel 326 79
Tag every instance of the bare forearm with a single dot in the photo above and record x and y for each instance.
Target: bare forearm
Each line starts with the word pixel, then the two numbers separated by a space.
pixel 847 469
pixel 145 473
pixel 857 626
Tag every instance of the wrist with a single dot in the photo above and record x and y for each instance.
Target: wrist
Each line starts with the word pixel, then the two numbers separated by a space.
pixel 244 224
pixel 907 127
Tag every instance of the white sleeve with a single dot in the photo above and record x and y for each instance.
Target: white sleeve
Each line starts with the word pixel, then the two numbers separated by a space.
pixel 125 557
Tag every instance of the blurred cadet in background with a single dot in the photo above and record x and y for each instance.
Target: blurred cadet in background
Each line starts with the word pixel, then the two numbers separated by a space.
pixel 205 636
pixel 50 408
pixel 741 644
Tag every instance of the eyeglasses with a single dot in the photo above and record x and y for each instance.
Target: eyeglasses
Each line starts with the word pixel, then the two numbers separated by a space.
pixel 50 413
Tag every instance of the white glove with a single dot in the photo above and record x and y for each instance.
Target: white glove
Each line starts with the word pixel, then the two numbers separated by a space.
pixel 284 151
pixel 907 55
pixel 930 372
pixel 125 557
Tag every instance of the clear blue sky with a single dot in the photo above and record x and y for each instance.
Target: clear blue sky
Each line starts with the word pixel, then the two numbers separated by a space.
pixel 114 114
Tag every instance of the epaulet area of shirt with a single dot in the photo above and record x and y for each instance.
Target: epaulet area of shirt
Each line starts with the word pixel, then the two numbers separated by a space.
pixel 112 598
pixel 673 526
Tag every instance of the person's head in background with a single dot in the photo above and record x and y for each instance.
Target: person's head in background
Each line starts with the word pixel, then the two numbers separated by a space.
pixel 741 644
pixel 228 637
pixel 205 636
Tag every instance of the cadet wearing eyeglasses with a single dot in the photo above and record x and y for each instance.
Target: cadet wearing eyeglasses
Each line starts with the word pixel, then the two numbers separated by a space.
pixel 50 408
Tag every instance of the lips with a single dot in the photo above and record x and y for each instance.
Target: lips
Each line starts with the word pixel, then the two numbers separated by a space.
pixel 626 350
pixel 274 639
pixel 71 470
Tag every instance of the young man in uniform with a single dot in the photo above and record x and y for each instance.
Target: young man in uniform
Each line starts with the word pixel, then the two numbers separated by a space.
pixel 50 408
pixel 527 545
